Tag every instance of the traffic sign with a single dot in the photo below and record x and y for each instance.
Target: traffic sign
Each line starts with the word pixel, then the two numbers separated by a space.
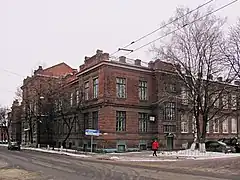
pixel 92 132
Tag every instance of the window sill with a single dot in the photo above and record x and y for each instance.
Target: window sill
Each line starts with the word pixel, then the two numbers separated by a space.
pixel 143 132
pixel 143 100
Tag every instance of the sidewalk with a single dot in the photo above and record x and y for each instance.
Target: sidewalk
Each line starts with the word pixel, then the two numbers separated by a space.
pixel 138 156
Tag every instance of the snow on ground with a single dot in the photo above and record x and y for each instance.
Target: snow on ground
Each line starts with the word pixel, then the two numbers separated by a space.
pixel 139 159
pixel 170 156
pixel 196 154
pixel 142 156
pixel 55 152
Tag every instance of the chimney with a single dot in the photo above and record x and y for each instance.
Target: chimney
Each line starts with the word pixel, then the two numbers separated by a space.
pixel 105 56
pixel 38 70
pixel 99 52
pixel 86 58
pixel 137 62
pixel 122 59
pixel 220 79
pixel 75 71
pixel 81 67
pixel 151 64
pixel 237 83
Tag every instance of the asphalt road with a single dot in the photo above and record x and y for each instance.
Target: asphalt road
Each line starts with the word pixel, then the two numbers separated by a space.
pixel 61 167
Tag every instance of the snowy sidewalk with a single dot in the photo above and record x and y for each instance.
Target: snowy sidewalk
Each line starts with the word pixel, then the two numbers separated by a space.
pixel 169 156
pixel 57 151
pixel 138 156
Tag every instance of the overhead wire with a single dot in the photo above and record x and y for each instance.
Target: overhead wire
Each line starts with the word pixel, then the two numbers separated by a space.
pixel 165 25
pixel 161 37
pixel 11 72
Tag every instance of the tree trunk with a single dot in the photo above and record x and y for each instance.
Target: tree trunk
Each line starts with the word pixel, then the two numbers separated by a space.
pixel 66 138
pixel 202 147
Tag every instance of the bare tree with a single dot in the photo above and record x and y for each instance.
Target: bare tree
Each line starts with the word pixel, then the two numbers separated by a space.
pixel 232 50
pixel 69 104
pixel 38 106
pixel 4 121
pixel 194 51
pixel 18 94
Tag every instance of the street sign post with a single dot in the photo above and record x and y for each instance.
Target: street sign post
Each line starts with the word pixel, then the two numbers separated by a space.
pixel 92 132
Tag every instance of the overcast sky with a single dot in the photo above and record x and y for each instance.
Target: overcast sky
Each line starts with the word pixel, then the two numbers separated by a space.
pixel 46 32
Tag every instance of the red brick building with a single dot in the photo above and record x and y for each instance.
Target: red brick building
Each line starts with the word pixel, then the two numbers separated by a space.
pixel 129 101
pixel 136 102
pixel 38 103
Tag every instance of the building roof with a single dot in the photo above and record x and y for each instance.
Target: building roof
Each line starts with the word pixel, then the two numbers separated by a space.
pixel 60 69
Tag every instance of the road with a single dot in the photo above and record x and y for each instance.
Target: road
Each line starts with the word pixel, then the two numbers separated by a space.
pixel 44 166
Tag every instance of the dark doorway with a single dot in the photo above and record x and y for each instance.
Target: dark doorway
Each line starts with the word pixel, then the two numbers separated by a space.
pixel 169 143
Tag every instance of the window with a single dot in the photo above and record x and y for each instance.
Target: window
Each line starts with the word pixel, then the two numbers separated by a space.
pixel 234 101
pixel 169 111
pixel 95 120
pixel 184 123
pixel 143 119
pixel 225 101
pixel 143 90
pixel 169 128
pixel 207 127
pixel 77 97
pixel 234 125
pixel 184 96
pixel 86 90
pixel 216 125
pixel 121 87
pixel 95 88
pixel 71 99
pixel 86 120
pixel 225 126
pixel 121 121
pixel 172 88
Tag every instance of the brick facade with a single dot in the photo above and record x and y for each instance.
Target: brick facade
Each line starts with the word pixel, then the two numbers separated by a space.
pixel 130 102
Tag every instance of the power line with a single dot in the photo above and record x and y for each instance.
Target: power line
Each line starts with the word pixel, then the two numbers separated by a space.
pixel 11 72
pixel 222 7
pixel 139 39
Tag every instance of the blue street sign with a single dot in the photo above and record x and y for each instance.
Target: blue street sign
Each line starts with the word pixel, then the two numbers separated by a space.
pixel 92 132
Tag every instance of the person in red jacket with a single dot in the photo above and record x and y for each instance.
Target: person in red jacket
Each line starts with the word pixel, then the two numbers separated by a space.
pixel 155 146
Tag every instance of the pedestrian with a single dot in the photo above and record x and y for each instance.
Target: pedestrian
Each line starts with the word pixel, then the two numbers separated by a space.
pixel 155 146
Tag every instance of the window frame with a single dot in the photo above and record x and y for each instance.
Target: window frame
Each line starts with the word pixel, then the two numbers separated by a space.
pixel 86 90
pixel 121 87
pixel 121 121
pixel 95 87
pixel 143 122
pixel 170 111
pixel 143 90
pixel 95 120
